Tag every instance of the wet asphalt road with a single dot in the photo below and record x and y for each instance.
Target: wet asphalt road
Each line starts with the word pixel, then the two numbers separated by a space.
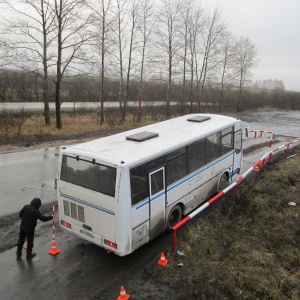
pixel 25 175
pixel 81 269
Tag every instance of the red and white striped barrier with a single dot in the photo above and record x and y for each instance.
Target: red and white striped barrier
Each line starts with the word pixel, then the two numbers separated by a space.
pixel 262 134
pixel 255 167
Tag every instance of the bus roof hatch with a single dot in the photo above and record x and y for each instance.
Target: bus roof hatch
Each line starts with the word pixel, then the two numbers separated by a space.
pixel 141 136
pixel 199 119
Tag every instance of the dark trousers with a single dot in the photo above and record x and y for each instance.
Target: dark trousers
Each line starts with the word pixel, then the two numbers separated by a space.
pixel 22 236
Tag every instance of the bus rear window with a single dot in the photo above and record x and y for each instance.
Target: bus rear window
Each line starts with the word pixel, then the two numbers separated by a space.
pixel 84 173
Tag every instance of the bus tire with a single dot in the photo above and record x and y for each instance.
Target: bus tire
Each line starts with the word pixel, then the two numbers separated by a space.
pixel 223 182
pixel 174 217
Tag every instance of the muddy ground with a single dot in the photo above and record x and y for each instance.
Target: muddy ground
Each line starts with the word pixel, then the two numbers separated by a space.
pixel 139 279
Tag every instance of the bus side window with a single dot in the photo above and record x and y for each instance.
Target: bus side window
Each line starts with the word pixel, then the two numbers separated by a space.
pixel 238 142
pixel 177 167
pixel 157 182
pixel 213 147
pixel 173 172
pixel 138 184
pixel 196 155
pixel 227 141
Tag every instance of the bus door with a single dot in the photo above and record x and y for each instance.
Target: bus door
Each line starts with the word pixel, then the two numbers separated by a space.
pixel 157 200
pixel 238 150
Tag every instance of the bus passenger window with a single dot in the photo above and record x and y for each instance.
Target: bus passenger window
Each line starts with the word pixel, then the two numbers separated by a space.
pixel 227 140
pixel 176 169
pixel 157 182
pixel 213 147
pixel 138 184
pixel 196 156
pixel 238 142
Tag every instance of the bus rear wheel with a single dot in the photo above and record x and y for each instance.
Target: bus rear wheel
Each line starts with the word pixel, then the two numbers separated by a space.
pixel 174 217
pixel 223 182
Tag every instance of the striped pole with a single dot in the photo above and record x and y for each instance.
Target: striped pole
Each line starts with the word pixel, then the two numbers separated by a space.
pixel 259 163
pixel 54 250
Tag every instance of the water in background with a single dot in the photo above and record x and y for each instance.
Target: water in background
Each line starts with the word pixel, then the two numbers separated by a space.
pixel 39 106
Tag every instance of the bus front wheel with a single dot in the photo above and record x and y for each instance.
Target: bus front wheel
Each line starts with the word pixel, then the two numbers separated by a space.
pixel 174 217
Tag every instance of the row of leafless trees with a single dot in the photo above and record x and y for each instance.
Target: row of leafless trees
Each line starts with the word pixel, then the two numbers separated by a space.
pixel 177 43
pixel 20 86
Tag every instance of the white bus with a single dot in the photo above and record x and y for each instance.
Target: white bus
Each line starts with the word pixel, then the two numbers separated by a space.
pixel 121 191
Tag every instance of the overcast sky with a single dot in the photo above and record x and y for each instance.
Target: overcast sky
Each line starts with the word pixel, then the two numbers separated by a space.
pixel 273 26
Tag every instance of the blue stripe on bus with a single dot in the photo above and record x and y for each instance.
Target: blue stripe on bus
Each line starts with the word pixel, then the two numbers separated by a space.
pixel 141 205
pixel 188 178
pixel 88 204
pixel 152 199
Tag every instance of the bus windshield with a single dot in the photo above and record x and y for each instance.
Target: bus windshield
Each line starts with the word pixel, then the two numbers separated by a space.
pixel 89 175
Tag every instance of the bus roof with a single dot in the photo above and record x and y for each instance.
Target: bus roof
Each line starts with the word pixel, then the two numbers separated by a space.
pixel 152 140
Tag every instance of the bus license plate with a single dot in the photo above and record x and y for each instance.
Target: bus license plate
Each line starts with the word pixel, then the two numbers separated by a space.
pixel 86 233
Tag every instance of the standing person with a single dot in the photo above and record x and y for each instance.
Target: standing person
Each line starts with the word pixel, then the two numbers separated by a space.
pixel 30 214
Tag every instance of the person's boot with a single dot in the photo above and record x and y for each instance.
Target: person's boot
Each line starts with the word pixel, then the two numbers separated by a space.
pixel 29 256
pixel 19 255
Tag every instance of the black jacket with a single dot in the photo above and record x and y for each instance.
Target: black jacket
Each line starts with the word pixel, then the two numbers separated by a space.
pixel 30 214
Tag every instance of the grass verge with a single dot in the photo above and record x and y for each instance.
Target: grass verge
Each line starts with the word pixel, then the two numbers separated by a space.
pixel 247 246
pixel 34 125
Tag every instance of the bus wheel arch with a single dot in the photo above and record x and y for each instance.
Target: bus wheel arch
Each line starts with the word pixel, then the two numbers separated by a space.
pixel 174 216
pixel 223 181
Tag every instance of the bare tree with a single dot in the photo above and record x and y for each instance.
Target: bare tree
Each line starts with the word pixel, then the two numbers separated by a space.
pixel 128 16
pixel 102 21
pixel 134 10
pixel 120 44
pixel 185 16
pixel 213 30
pixel 245 61
pixel 31 35
pixel 195 29
pixel 167 44
pixel 227 55
pixel 146 29
pixel 6 56
pixel 72 35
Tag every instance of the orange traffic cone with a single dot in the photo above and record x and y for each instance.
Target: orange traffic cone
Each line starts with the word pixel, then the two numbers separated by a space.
pixel 162 261
pixel 25 245
pixel 256 169
pixel 123 295
pixel 54 250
